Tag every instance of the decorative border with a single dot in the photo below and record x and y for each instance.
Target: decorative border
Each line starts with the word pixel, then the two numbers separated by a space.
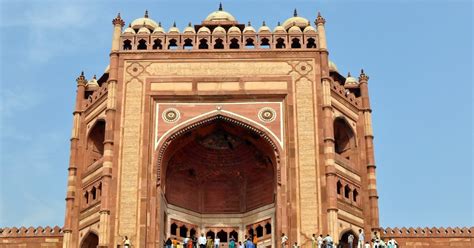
pixel 171 115
pixel 267 115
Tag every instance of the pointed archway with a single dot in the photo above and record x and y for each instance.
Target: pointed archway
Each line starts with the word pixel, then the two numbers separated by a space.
pixel 91 240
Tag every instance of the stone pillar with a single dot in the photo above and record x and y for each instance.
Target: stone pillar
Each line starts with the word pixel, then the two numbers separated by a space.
pixel 107 166
pixel 369 149
pixel 328 133
pixel 72 170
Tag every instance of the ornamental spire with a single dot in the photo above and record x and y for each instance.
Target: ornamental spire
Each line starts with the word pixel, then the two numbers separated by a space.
pixel 295 13
pixel 320 19
pixel 118 20
pixel 146 14
pixel 81 80
pixel 220 6
pixel 363 77
pixel 264 24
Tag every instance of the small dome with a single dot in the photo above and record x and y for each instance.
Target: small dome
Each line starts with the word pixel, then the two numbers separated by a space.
pixel 249 29
pixel 173 29
pixel 143 30
pixel 129 30
pixel 159 29
pixel 234 30
pixel 218 30
pixel 264 29
pixel 350 80
pixel 149 23
pixel 279 29
pixel 220 15
pixel 189 29
pixel 295 21
pixel 294 30
pixel 204 30
pixel 309 29
pixel 92 84
pixel 332 66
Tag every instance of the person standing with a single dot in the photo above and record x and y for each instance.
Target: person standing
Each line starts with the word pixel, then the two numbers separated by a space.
pixel 284 240
pixel 360 243
pixel 168 243
pixel 313 241
pixel 232 242
pixel 202 241
pixel 320 241
pixel 217 241
pixel 367 245
pixel 350 240
pixel 329 241
pixel 126 242
pixel 296 245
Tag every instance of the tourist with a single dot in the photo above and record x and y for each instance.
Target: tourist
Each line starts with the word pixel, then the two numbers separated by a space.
pixel 329 241
pixel 190 242
pixel 350 240
pixel 175 242
pixel 232 242
pixel 284 240
pixel 126 242
pixel 185 242
pixel 195 242
pixel 250 244
pixel 241 245
pixel 296 245
pixel 320 241
pixel 376 240
pixel 360 243
pixel 217 242
pixel 367 244
pixel 209 242
pixel 255 240
pixel 168 243
pixel 313 241
pixel 179 245
pixel 392 243
pixel 382 244
pixel 202 241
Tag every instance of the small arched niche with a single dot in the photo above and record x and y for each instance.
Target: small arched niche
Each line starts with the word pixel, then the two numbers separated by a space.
pixel 344 139
pixel 95 142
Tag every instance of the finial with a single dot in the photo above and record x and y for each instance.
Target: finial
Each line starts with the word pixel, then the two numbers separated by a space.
pixel 159 24
pixel 94 77
pixel 81 80
pixel 279 24
pixel 146 13
pixel 349 74
pixel 320 19
pixel 295 13
pixel 189 24
pixel 129 25
pixel 264 24
pixel 363 77
pixel 249 24
pixel 118 20
pixel 174 24
pixel 220 6
pixel 82 73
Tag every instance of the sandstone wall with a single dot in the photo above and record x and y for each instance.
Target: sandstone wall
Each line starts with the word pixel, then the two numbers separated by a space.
pixel 430 237
pixel 31 237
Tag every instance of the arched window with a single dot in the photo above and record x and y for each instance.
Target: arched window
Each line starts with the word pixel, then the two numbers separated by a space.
pixel 251 232
pixel 311 43
pixel 280 43
pixel 86 197
pixel 94 193
pixel 183 231
pixel 141 44
pixel 268 228
pixel 127 45
pixel 188 44
pixel 234 235
pixel 265 43
pixel 222 235
pixel 172 44
pixel 211 234
pixel 203 44
pixel 157 44
pixel 218 44
pixel 99 189
pixel 259 231
pixel 343 138
pixel 249 43
pixel 234 44
pixel 192 232
pixel 355 195
pixel 347 191
pixel 174 229
pixel 339 187
pixel 295 43
pixel 95 142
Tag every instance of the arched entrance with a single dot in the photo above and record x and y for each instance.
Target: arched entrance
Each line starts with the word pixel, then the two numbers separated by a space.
pixel 220 177
pixel 91 240
pixel 344 241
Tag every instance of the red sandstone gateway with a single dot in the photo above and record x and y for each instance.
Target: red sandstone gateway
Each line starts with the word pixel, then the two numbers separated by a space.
pixel 226 131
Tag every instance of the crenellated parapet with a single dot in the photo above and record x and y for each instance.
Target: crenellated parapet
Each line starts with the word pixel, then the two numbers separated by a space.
pixel 48 231
pixel 427 232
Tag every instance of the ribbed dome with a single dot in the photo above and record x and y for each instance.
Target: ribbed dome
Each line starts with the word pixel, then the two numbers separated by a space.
pixel 204 30
pixel 332 66
pixel 159 29
pixel 249 29
pixel 92 84
pixel 295 21
pixel 350 80
pixel 309 29
pixel 218 30
pixel 234 30
pixel 149 23
pixel 264 29
pixel 294 30
pixel 129 30
pixel 220 16
pixel 189 30
pixel 279 29
pixel 173 29
pixel 143 30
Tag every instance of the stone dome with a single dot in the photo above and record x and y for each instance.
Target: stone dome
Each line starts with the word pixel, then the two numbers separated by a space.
pixel 189 29
pixel 264 29
pixel 220 16
pixel 129 30
pixel 204 30
pixel 218 30
pixel 234 30
pixel 279 29
pixel 143 30
pixel 92 84
pixel 249 29
pixel 294 30
pixel 173 29
pixel 149 23
pixel 295 21
pixel 350 80
pixel 309 29
pixel 159 29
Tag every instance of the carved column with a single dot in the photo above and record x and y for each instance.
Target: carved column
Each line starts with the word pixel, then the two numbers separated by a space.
pixel 72 170
pixel 369 149
pixel 106 177
pixel 328 133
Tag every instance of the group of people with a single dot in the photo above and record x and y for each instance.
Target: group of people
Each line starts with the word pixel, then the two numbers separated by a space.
pixel 209 242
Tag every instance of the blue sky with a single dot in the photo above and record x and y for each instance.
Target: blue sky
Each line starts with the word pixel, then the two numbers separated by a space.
pixel 418 55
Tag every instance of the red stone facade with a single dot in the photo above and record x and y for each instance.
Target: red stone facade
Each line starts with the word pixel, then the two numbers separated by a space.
pixel 223 130
pixel 31 237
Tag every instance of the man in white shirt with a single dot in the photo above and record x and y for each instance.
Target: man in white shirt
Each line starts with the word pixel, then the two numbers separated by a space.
pixel 367 245
pixel 360 243
pixel 202 241
pixel 284 240
pixel 320 241
pixel 216 242
pixel 329 241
